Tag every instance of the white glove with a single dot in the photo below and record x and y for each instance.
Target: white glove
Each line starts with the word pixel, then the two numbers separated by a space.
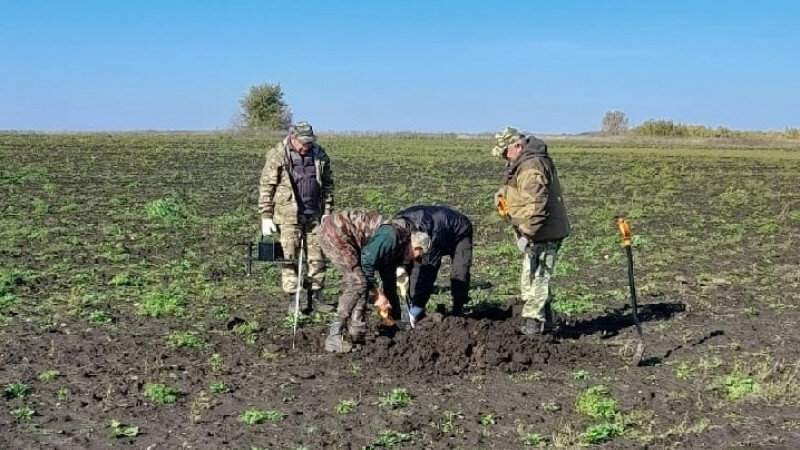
pixel 522 244
pixel 497 196
pixel 268 227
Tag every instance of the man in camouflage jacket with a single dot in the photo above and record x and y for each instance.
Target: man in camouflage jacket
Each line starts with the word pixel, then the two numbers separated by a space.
pixel 365 249
pixel 295 192
pixel 537 212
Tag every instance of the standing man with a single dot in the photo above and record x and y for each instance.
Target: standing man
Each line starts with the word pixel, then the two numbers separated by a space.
pixel 536 208
pixel 451 235
pixel 295 191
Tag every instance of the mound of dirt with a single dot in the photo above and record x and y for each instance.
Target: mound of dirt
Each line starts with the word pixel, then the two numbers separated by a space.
pixel 453 345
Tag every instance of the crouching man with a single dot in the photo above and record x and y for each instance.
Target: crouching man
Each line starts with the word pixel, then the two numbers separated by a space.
pixel 451 235
pixel 359 246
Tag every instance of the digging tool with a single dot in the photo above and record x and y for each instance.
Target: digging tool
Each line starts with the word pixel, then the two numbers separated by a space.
pixel 299 288
pixel 627 237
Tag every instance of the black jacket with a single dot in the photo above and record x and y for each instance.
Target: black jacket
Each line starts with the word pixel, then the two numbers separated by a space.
pixel 445 225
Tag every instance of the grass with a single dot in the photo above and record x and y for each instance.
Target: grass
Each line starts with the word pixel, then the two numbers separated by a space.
pixel 390 438
pixel 163 303
pixel 169 210
pixel 174 227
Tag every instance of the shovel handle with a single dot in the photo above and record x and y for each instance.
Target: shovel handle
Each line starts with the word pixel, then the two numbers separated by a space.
pixel 624 231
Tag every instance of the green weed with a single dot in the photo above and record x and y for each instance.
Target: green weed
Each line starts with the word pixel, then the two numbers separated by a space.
pixel 255 416
pixel 737 386
pixel 161 393
pixel 23 413
pixel 487 419
pixel 248 331
pixel 99 316
pixel 118 429
pixel 602 432
pixel 396 398
pixel 16 389
pixel 345 406
pixel 49 375
pixel 218 387
pixel 171 211
pixel 162 303
pixel 597 403
pixel 391 438
pixel 216 362
pixel 188 339
pixel 532 439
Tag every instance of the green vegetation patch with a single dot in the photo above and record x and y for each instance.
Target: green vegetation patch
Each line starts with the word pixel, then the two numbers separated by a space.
pixel 162 303
pixel 170 210
pixel 255 416
pixel 161 393
pixel 597 403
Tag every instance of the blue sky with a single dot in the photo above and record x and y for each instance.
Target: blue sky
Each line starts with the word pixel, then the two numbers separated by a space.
pixel 547 67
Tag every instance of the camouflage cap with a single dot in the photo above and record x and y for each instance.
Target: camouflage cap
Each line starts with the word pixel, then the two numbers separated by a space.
pixel 504 138
pixel 422 240
pixel 303 132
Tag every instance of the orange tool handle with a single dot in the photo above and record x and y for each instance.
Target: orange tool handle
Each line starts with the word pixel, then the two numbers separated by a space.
pixel 625 231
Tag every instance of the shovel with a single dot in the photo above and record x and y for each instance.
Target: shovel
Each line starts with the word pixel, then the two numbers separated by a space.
pixel 627 237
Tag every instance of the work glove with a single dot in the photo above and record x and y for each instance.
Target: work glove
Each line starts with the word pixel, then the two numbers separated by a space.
pixel 497 196
pixel 268 227
pixel 522 244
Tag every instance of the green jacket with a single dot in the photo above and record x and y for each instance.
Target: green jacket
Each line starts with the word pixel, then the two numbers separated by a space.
pixel 535 202
pixel 383 253
pixel 276 195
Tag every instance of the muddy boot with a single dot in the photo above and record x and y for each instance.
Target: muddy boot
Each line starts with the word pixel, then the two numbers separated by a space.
pixel 316 302
pixel 357 328
pixel 290 298
pixel 335 342
pixel 532 327
pixel 548 325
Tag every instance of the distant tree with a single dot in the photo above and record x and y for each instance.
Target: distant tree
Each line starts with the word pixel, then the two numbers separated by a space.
pixel 614 122
pixel 263 107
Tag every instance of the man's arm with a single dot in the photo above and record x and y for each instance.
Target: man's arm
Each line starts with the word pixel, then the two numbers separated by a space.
pixel 270 177
pixel 326 185
pixel 373 255
pixel 533 184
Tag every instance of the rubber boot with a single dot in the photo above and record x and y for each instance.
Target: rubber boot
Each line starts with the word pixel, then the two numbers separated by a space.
pixel 335 342
pixel 290 298
pixel 548 324
pixel 358 327
pixel 316 302
pixel 532 327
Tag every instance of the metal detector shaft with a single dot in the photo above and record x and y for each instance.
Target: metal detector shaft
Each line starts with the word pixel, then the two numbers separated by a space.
pixel 299 289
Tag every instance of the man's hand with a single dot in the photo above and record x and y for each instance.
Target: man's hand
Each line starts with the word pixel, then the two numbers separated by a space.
pixel 268 227
pixel 522 244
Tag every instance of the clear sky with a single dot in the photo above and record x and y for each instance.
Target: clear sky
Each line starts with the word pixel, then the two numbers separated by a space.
pixel 468 66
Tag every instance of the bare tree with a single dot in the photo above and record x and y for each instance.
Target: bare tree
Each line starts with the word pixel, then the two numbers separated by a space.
pixel 614 123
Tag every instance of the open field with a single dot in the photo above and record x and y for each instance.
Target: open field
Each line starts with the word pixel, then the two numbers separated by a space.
pixel 126 318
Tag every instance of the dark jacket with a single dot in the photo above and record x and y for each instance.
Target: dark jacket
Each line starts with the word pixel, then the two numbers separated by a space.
pixel 444 225
pixel 535 202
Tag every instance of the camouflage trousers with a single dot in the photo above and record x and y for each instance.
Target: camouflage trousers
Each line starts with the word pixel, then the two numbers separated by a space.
pixel 343 251
pixel 308 228
pixel 537 268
